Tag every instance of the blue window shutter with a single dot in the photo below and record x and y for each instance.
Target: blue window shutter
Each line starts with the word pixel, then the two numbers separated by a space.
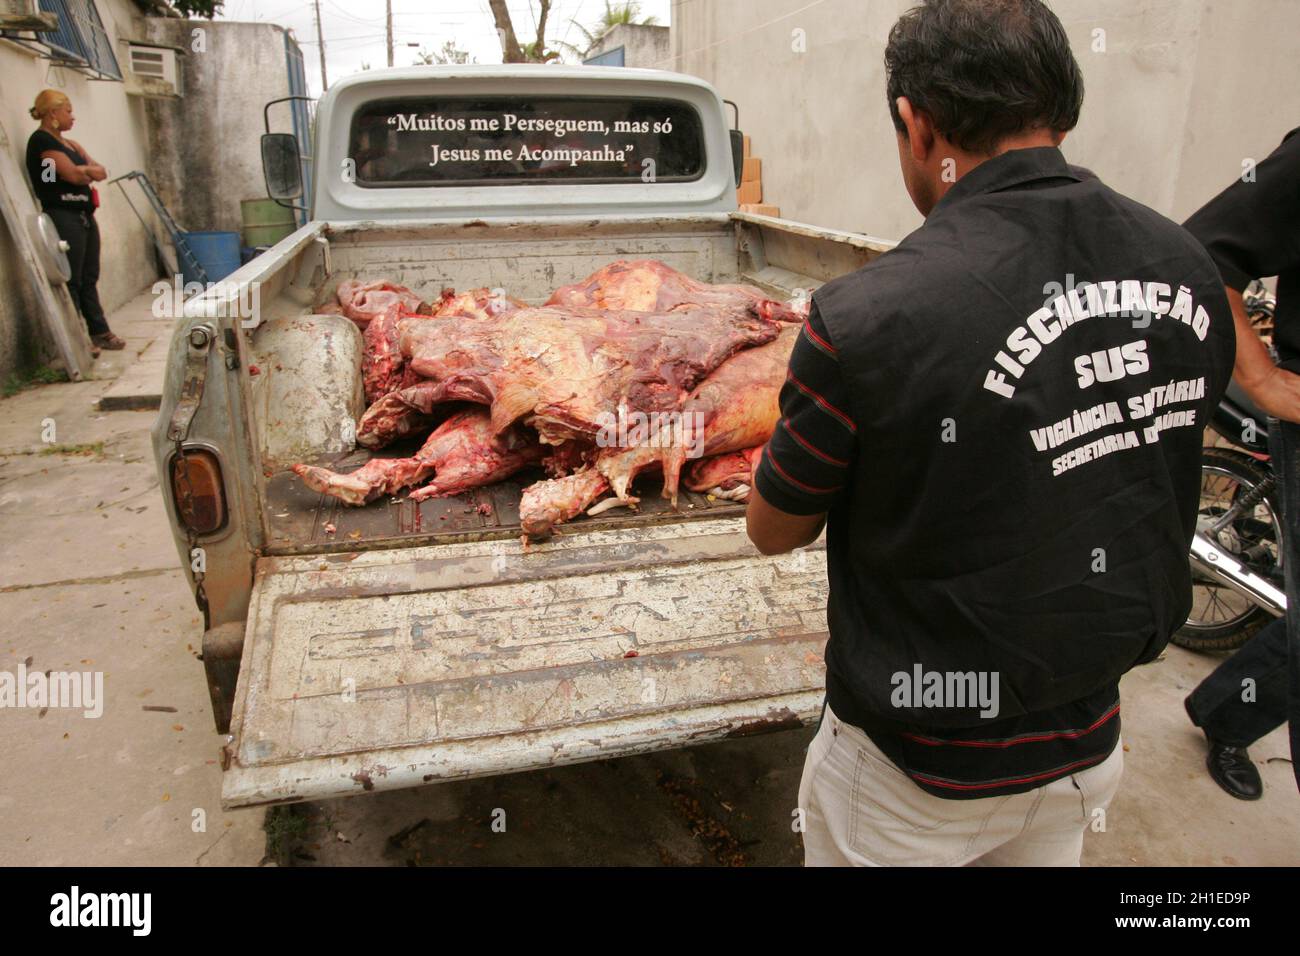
pixel 81 36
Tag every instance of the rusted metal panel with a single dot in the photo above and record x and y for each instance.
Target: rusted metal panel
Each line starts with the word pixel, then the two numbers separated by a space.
pixel 388 669
pixel 782 256
pixel 222 648
pixel 307 394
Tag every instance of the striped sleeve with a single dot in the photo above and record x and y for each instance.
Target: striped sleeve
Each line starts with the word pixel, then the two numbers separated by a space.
pixel 805 465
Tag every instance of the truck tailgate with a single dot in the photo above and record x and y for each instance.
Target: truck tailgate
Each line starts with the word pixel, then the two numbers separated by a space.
pixel 380 670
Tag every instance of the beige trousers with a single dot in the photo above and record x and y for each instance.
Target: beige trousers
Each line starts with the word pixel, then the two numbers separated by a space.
pixel 859 809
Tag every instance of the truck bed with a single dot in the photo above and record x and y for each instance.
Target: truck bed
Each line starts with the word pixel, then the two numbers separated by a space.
pixel 529 260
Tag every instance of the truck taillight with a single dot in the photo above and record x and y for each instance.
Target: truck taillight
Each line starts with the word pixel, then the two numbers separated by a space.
pixel 197 491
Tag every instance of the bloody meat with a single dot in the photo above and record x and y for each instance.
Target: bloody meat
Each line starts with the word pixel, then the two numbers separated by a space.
pixel 723 476
pixel 460 454
pixel 383 368
pixel 362 301
pixel 632 338
pixel 735 408
pixel 564 371
pixel 647 285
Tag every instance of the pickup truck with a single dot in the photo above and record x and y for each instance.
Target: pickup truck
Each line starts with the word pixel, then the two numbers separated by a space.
pixel 401 644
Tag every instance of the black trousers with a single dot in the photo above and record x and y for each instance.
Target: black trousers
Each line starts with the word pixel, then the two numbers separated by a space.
pixel 1217 704
pixel 80 231
pixel 1271 659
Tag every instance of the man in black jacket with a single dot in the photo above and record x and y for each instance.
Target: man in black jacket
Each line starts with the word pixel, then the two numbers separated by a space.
pixel 1252 229
pixel 999 424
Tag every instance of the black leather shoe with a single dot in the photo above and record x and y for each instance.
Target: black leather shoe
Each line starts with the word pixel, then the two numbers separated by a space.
pixel 1234 771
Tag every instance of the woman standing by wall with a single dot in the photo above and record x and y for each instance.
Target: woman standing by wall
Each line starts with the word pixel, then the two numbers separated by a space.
pixel 62 172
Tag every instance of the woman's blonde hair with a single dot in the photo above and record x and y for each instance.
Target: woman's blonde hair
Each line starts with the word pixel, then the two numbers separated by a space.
pixel 47 101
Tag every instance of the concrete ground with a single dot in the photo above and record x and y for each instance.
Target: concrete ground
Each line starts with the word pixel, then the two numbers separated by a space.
pixel 89 580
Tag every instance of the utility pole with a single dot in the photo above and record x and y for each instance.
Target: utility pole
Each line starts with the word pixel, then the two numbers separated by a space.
pixel 389 4
pixel 320 43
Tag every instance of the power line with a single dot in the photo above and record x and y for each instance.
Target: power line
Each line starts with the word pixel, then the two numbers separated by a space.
pixel 341 41
pixel 340 12
pixel 377 36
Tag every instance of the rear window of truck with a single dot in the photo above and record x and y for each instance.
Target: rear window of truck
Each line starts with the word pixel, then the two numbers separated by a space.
pixel 485 140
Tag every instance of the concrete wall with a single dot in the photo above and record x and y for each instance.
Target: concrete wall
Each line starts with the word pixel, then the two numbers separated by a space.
pixel 205 155
pixel 22 341
pixel 111 126
pixel 1182 92
pixel 643 45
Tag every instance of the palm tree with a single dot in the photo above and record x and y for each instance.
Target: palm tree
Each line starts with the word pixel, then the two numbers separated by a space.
pixel 616 14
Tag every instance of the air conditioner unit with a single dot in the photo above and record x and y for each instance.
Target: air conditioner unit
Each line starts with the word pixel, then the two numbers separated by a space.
pixel 153 71
pixel 26 15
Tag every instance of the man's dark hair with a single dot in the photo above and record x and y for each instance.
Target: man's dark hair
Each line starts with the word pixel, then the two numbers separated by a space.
pixel 983 70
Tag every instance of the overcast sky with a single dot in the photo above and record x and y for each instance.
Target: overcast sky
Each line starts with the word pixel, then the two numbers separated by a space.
pixel 354 29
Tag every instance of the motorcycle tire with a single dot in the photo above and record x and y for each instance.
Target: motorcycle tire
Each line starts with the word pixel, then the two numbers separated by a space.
pixel 1232 633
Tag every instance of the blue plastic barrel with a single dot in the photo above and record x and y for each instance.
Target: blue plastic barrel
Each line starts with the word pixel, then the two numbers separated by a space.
pixel 217 252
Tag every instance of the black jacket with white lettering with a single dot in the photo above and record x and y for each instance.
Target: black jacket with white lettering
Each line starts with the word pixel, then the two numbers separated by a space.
pixel 986 526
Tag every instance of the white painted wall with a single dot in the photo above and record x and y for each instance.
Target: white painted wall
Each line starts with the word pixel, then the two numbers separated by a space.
pixel 1183 92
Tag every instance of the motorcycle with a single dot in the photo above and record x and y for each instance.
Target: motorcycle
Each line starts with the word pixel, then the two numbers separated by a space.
pixel 1236 554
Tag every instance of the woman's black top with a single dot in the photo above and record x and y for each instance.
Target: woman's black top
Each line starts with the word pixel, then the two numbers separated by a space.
pixel 55 193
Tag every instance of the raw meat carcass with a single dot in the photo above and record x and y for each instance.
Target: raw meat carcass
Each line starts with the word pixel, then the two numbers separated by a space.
pixel 381 361
pixel 647 285
pixel 564 371
pixel 481 303
pixel 723 476
pixel 739 405
pixel 477 457
pixel 735 408
pixel 410 409
pixel 383 369
pixel 363 301
pixel 460 454
pixel 567 457
pixel 557 500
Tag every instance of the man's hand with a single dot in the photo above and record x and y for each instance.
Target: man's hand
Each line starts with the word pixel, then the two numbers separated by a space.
pixel 1275 390
pixel 1278 394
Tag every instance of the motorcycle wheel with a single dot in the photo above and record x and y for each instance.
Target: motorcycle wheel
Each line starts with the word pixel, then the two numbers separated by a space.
pixel 1221 618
